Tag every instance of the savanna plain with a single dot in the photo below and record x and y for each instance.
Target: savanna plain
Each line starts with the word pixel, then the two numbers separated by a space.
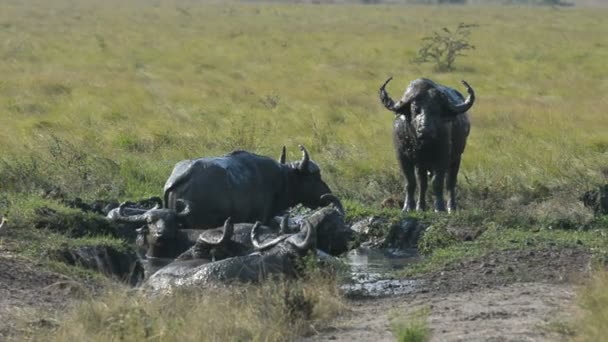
pixel 99 100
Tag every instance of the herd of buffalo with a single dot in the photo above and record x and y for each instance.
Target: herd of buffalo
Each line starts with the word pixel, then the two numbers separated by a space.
pixel 225 219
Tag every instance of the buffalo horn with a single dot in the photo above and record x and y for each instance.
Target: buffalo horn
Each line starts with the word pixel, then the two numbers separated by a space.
pixel 468 102
pixel 212 237
pixel 308 241
pixel 133 218
pixel 305 159
pixel 283 157
pixel 186 209
pixel 284 224
pixel 157 200
pixel 255 235
pixel 386 99
pixel 332 199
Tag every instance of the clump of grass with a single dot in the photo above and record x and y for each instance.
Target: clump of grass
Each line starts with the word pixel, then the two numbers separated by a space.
pixel 593 298
pixel 413 328
pixel 272 311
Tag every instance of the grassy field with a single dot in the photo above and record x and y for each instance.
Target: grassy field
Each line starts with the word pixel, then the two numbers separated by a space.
pixel 101 99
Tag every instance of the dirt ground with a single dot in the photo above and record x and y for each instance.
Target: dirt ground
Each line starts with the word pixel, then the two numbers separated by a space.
pixel 505 296
pixel 26 286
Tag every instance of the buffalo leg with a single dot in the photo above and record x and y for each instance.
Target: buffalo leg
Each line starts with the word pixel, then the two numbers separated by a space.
pixel 451 185
pixel 423 181
pixel 410 187
pixel 438 182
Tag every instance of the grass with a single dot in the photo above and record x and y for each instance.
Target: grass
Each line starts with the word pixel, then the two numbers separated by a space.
pixel 413 328
pixel 273 311
pixel 101 99
pixel 150 85
pixel 593 299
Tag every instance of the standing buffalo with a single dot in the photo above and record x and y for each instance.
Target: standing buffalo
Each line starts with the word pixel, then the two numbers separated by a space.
pixel 244 186
pixel 429 133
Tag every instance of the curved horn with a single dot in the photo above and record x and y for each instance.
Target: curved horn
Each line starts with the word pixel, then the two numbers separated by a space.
pixel 283 156
pixel 284 224
pixel 121 217
pixel 186 210
pixel 228 231
pixel 3 222
pixel 211 237
pixel 305 159
pixel 157 200
pixel 468 102
pixel 309 240
pixel 386 99
pixel 332 199
pixel 255 234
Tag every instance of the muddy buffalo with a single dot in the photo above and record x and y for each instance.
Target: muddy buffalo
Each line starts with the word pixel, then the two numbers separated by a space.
pixel 244 186
pixel 429 133
pixel 274 257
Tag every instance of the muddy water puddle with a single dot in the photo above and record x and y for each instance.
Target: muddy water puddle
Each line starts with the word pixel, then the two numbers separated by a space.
pixel 372 272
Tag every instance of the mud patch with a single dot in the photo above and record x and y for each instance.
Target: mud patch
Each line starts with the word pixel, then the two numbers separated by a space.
pixel 514 295
pixel 500 268
pixel 26 285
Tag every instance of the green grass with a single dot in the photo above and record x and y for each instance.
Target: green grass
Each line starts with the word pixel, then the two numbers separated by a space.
pixel 101 99
pixel 413 328
pixel 136 87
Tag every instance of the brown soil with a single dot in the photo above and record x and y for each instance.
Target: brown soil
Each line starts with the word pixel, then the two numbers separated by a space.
pixel 26 286
pixel 505 296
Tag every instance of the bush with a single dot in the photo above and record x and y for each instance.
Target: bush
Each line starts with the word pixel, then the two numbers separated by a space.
pixel 442 48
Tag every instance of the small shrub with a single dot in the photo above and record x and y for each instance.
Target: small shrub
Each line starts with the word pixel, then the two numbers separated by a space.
pixel 413 329
pixel 443 47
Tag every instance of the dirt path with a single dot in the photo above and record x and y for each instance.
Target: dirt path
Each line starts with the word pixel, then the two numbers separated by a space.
pixel 517 312
pixel 517 295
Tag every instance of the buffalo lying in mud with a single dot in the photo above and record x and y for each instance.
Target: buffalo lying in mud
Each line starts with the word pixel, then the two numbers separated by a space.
pixel 160 235
pixel 274 257
pixel 333 236
pixel 244 186
pixel 429 133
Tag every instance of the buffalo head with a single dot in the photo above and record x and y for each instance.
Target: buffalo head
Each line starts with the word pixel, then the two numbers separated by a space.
pixel 305 184
pixel 160 224
pixel 426 105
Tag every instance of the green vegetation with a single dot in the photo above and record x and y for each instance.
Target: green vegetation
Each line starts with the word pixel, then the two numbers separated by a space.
pixel 443 47
pixel 413 328
pixel 100 99
pixel 150 85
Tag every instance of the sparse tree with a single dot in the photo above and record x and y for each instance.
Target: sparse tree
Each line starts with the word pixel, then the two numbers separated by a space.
pixel 443 47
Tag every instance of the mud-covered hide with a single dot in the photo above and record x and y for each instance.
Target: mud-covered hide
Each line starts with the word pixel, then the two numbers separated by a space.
pixel 166 246
pixel 129 208
pixel 277 258
pixel 333 235
pixel 430 131
pixel 244 186
pixel 117 263
pixel 238 244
